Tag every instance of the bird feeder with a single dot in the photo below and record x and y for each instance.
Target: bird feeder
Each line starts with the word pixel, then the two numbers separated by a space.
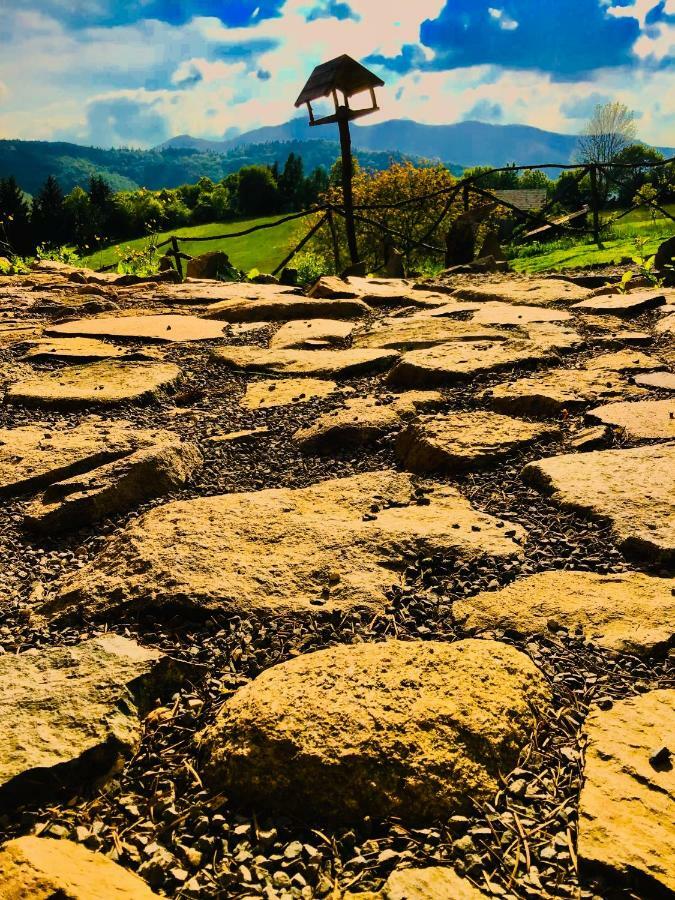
pixel 347 77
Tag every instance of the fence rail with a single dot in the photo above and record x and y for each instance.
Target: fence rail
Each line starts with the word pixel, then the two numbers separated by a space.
pixel 539 220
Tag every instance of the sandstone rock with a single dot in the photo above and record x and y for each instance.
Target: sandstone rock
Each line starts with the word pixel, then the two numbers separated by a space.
pixel 34 456
pixel 496 313
pixel 419 331
pixel 627 804
pixel 387 291
pixel 245 436
pixel 624 361
pixel 330 287
pixel 284 309
pixel 170 329
pixel 632 304
pixel 664 381
pixel 72 714
pixel 532 291
pixel 363 420
pixel 462 441
pixel 72 350
pixel 626 613
pixel 434 883
pixel 632 489
pixel 115 487
pixel 285 392
pixel 96 384
pixel 199 292
pixel 413 729
pixel 304 332
pixel 319 363
pixel 596 437
pixel 208 265
pixel 549 393
pixel 284 551
pixel 45 868
pixel 644 419
pixel 666 325
pixel 453 362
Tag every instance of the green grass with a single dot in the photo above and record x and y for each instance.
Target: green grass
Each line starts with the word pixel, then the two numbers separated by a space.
pixel 262 250
pixel 618 244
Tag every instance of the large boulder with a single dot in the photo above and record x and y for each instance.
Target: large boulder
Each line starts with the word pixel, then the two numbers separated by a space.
pixel 337 546
pixel 462 441
pixel 96 384
pixel 627 803
pixel 419 730
pixel 45 869
pixel 626 613
pixel 632 489
pixel 208 265
pixel 69 715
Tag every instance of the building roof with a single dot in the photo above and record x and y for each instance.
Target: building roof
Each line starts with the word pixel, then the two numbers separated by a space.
pixel 528 199
pixel 343 74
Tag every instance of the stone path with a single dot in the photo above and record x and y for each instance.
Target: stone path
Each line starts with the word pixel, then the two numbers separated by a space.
pixel 244 652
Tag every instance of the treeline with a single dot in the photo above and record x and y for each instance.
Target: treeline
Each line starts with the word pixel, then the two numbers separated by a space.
pixel 89 218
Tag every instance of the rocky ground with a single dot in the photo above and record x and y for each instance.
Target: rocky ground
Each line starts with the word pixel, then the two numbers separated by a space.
pixel 369 592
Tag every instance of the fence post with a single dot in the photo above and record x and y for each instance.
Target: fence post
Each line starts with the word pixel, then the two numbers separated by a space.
pixel 336 246
pixel 346 148
pixel 176 255
pixel 595 201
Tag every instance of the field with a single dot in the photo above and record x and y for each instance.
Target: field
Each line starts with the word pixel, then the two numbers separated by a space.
pixel 617 245
pixel 262 250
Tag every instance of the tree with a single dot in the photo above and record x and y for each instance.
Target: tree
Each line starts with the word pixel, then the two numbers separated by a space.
pixel 78 214
pixel 631 180
pixel 15 230
pixel 48 216
pixel 609 131
pixel 102 206
pixel 258 191
pixel 291 183
pixel 567 192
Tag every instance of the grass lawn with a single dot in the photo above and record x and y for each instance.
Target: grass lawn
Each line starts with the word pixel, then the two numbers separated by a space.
pixel 262 250
pixel 619 243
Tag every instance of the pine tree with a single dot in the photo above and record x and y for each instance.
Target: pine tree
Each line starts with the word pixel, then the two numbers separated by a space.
pixel 102 205
pixel 15 230
pixel 291 183
pixel 49 216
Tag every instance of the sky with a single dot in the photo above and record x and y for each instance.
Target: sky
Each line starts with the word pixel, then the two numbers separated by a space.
pixel 136 73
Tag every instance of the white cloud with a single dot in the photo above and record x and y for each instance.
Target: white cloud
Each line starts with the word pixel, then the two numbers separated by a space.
pixel 506 23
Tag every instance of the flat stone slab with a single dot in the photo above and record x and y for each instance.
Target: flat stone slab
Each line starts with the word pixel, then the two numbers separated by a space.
pixel 117 486
pixel 462 441
pixel 285 392
pixel 632 489
pixel 284 309
pixel 201 292
pixel 418 331
pixel 383 291
pixel 632 304
pixel 97 384
pixel 432 883
pixel 319 363
pixel 664 381
pixel 69 715
pixel 332 287
pixel 624 361
pixel 529 291
pixel 454 362
pixel 284 551
pixel 41 868
pixel 363 420
pixel 492 312
pixel 627 803
pixel 169 329
pixel 303 332
pixel 643 419
pixel 72 350
pixel 666 325
pixel 416 729
pixel 549 393
pixel 625 613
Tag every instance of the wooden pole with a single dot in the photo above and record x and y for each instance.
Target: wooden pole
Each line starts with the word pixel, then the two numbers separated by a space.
pixel 336 246
pixel 176 255
pixel 595 201
pixel 346 147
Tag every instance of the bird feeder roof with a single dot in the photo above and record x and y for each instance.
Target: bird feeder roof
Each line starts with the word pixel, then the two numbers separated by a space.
pixel 342 74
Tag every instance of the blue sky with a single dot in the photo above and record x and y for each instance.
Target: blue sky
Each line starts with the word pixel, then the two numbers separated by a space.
pixel 136 73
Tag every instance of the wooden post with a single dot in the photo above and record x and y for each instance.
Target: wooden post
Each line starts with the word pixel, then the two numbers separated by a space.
pixel 336 246
pixel 346 147
pixel 176 255
pixel 595 201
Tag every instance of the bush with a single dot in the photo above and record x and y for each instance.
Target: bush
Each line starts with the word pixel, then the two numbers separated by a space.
pixel 310 266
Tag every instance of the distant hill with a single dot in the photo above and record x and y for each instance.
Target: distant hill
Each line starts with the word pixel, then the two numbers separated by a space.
pixel 183 161
pixel 464 144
